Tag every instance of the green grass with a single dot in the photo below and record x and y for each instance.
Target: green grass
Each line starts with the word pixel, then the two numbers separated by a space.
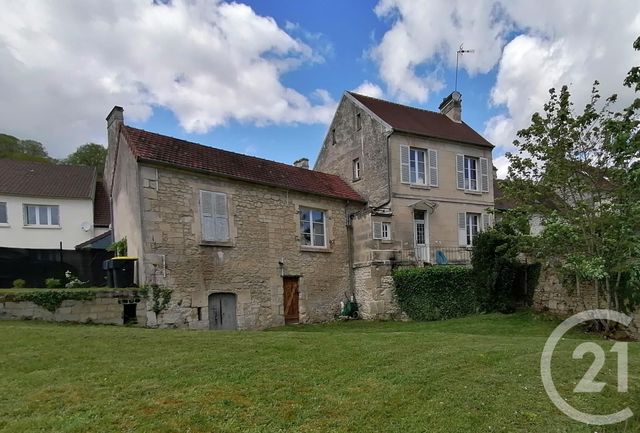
pixel 477 374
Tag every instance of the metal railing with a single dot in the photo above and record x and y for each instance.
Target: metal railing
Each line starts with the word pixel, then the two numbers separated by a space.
pixel 438 254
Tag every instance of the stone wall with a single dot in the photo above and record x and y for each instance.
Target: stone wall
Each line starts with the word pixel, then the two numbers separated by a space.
pixel 106 308
pixel 264 246
pixel 553 297
pixel 375 292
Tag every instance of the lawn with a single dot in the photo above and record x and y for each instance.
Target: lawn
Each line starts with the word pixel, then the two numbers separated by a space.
pixel 477 374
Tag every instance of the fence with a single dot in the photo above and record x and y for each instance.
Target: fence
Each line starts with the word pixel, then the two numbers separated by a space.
pixel 434 254
pixel 35 266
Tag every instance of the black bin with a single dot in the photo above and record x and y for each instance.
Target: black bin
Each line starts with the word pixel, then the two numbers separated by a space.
pixel 123 271
pixel 107 266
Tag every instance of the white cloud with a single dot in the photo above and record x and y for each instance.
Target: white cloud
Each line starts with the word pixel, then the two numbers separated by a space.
pixel 502 164
pixel 64 64
pixel 369 89
pixel 570 42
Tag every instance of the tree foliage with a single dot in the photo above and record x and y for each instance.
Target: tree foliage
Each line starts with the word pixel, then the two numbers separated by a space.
pixel 91 154
pixel 580 170
pixel 13 148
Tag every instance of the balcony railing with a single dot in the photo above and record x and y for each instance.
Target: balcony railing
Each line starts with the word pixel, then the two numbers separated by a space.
pixel 438 254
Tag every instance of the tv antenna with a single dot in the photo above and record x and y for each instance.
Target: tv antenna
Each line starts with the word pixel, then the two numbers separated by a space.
pixel 460 52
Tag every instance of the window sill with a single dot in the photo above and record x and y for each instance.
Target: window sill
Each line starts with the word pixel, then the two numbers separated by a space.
pixel 5 225
pixel 43 227
pixel 418 186
pixel 472 192
pixel 226 244
pixel 356 180
pixel 386 241
pixel 315 249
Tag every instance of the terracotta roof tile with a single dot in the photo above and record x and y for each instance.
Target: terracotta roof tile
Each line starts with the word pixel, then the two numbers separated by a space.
pixel 39 179
pixel 152 147
pixel 421 122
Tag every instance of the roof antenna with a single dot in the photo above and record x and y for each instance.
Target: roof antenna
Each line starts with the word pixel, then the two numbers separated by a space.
pixel 458 54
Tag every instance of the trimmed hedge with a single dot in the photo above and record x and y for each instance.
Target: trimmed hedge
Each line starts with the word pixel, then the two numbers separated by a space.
pixel 435 292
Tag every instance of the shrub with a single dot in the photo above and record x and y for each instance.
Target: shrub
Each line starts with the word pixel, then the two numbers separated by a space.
pixel 19 283
pixel 53 283
pixel 74 282
pixel 436 292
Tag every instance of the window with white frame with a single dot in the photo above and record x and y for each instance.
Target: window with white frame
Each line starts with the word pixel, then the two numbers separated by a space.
pixel 214 216
pixel 41 215
pixel 470 224
pixel 358 122
pixel 356 169
pixel 473 173
pixel 418 166
pixel 312 227
pixel 3 213
pixel 382 230
pixel 473 226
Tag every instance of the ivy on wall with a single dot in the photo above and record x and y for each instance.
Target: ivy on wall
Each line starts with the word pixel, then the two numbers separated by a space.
pixel 50 300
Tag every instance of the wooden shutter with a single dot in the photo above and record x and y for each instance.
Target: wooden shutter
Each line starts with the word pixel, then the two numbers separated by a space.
pixel 206 213
pixel 484 174
pixel 460 171
pixel 433 167
pixel 405 176
pixel 486 221
pixel 377 230
pixel 221 217
pixel 462 229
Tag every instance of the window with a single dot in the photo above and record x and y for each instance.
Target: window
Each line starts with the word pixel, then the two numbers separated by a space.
pixel 41 215
pixel 333 137
pixel 358 122
pixel 214 216
pixel 418 166
pixel 312 228
pixel 3 213
pixel 473 226
pixel 473 173
pixel 382 230
pixel 356 169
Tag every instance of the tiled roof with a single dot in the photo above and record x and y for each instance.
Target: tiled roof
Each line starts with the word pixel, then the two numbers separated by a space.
pixel 101 206
pixel 421 122
pixel 39 179
pixel 152 147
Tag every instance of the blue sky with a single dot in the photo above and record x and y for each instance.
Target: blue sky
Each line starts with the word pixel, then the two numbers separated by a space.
pixel 264 77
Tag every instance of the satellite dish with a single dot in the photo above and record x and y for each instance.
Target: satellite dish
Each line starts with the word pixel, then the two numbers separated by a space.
pixel 85 226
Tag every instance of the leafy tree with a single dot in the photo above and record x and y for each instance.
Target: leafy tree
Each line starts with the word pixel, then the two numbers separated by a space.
pixel 14 148
pixel 90 154
pixel 581 172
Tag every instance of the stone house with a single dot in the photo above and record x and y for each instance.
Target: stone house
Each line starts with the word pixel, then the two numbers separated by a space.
pixel 242 242
pixel 427 180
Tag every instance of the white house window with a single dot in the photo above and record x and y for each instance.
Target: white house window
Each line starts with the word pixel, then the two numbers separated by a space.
pixel 473 226
pixel 214 216
pixel 3 213
pixel 470 173
pixel 418 166
pixel 470 224
pixel 312 227
pixel 41 215
pixel 356 169
pixel 382 230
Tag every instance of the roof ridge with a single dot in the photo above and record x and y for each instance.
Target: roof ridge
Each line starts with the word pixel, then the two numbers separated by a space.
pixel 306 170
pixel 399 104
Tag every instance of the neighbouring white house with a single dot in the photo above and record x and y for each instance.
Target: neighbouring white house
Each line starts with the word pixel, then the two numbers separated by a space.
pixel 49 206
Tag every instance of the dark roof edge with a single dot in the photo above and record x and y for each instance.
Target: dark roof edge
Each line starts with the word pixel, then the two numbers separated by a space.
pixel 93 239
pixel 419 134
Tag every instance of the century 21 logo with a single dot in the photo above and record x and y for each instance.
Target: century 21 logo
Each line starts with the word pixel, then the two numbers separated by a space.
pixel 588 382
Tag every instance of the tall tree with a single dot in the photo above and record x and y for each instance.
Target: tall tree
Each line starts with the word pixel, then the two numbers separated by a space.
pixel 581 172
pixel 90 154
pixel 14 148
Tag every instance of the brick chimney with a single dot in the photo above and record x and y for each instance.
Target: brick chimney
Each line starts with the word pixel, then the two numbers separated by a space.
pixel 114 120
pixel 302 163
pixel 451 106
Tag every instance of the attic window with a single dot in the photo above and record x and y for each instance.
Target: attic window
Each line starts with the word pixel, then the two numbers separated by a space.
pixel 358 122
pixel 333 137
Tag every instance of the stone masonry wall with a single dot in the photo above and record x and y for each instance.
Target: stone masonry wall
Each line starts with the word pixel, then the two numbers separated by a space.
pixel 264 247
pixel 375 292
pixel 106 308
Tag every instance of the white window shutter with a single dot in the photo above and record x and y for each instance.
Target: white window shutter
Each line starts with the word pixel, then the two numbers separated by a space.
pixel 433 167
pixel 405 176
pixel 484 174
pixel 462 229
pixel 486 221
pixel 377 230
pixel 460 171
pixel 206 213
pixel 221 217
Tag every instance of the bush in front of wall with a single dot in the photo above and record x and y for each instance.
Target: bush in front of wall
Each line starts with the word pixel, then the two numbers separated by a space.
pixel 53 283
pixel 435 292
pixel 19 283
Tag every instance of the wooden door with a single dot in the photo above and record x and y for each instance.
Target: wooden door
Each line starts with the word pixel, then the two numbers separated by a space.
pixel 222 311
pixel 291 296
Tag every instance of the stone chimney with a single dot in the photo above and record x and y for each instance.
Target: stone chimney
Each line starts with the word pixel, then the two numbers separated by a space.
pixel 302 163
pixel 114 120
pixel 451 106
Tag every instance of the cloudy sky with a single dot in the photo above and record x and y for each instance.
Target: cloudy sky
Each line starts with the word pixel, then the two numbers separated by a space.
pixel 264 77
